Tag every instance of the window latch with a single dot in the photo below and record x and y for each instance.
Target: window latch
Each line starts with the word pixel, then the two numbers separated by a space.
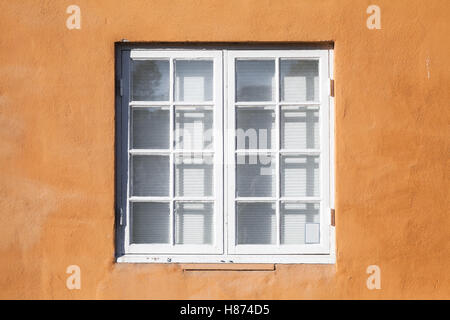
pixel 333 217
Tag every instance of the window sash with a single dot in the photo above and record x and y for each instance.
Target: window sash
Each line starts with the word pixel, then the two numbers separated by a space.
pixel 232 247
pixel 217 152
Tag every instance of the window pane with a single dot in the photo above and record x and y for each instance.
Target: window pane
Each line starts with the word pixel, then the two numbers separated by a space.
pixel 255 80
pixel 299 80
pixel 194 175
pixel 193 80
pixel 150 128
pixel 299 176
pixel 255 128
pixel 299 128
pixel 150 80
pixel 256 223
pixel 295 219
pixel 194 223
pixel 150 175
pixel 151 222
pixel 255 175
pixel 193 128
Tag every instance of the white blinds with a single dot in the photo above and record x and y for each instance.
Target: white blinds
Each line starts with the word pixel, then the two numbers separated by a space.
pixel 194 223
pixel 255 80
pixel 255 127
pixel 300 128
pixel 194 175
pixel 150 222
pixel 256 223
pixel 150 175
pixel 150 128
pixel 295 219
pixel 193 80
pixel 299 80
pixel 300 176
pixel 255 175
pixel 193 128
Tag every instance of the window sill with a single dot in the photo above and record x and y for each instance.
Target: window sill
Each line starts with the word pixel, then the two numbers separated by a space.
pixel 230 260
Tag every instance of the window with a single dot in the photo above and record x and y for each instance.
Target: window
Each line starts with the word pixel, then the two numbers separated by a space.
pixel 224 156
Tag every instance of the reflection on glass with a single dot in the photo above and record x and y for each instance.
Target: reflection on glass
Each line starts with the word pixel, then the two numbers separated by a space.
pixel 255 80
pixel 150 222
pixel 150 128
pixel 255 175
pixel 193 80
pixel 255 128
pixel 299 80
pixel 256 223
pixel 150 175
pixel 150 80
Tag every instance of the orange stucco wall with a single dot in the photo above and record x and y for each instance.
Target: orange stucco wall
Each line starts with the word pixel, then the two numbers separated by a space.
pixel 57 145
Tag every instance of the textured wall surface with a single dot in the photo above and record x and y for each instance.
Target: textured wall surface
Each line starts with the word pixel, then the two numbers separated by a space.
pixel 57 145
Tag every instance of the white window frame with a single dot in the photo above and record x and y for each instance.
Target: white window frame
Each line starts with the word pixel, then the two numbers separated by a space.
pixel 323 200
pixel 216 103
pixel 225 250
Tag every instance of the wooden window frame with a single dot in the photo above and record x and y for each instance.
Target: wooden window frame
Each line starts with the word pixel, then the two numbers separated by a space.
pixel 225 250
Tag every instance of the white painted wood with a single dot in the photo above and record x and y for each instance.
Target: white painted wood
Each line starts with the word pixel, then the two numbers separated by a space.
pixel 322 57
pixel 230 152
pixel 226 259
pixel 332 132
pixel 277 147
pixel 217 107
pixel 137 104
pixel 225 249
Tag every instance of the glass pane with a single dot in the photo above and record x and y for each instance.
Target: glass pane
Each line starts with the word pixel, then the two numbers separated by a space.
pixel 150 175
pixel 299 128
pixel 255 80
pixel 295 217
pixel 299 176
pixel 150 128
pixel 194 175
pixel 194 223
pixel 193 80
pixel 256 223
pixel 255 128
pixel 299 80
pixel 255 175
pixel 193 128
pixel 151 222
pixel 150 80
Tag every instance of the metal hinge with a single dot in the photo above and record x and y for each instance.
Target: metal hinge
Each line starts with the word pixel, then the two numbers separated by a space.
pixel 121 217
pixel 120 87
pixel 333 217
pixel 331 87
